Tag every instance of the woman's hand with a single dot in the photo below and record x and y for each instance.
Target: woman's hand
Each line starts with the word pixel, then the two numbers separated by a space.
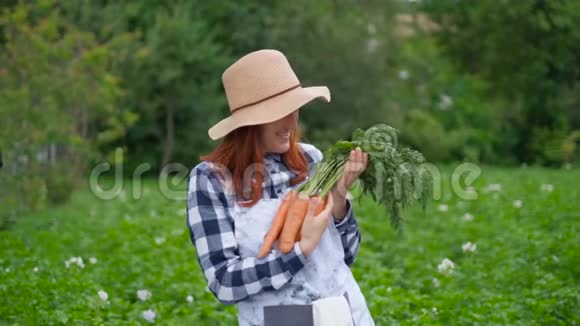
pixel 314 226
pixel 353 168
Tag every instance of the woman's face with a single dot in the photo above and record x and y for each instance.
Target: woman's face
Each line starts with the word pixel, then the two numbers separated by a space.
pixel 276 135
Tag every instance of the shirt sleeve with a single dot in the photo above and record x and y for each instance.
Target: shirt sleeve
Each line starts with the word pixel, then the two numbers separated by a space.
pixel 349 234
pixel 230 277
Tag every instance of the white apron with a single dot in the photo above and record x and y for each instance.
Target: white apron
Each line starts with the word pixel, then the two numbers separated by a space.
pixel 324 275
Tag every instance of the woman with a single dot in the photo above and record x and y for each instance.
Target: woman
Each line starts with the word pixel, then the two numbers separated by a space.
pixel 234 193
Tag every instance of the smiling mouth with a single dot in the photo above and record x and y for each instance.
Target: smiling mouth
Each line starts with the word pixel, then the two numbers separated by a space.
pixel 284 135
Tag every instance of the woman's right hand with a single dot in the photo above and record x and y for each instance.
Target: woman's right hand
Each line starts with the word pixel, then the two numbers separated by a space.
pixel 314 226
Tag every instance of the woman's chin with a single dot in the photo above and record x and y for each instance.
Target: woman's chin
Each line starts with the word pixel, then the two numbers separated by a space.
pixel 282 148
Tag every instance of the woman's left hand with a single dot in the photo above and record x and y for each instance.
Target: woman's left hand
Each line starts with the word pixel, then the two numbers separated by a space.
pixel 353 168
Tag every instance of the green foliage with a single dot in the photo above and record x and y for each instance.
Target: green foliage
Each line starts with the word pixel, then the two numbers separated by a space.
pixel 527 51
pixel 181 49
pixel 59 184
pixel 169 65
pixel 425 132
pixel 524 271
pixel 395 176
pixel 57 97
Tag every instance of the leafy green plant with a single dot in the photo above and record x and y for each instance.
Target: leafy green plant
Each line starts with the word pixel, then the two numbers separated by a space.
pixel 395 177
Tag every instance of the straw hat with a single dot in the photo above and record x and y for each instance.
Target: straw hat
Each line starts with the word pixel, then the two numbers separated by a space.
pixel 261 87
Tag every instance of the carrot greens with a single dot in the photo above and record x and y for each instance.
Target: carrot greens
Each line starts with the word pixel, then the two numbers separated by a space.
pixel 396 177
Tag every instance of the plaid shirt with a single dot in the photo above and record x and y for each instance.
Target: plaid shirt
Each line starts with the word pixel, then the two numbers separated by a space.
pixel 230 277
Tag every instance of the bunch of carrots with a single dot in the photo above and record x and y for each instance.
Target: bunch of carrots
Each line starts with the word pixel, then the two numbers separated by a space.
pixel 401 168
pixel 287 223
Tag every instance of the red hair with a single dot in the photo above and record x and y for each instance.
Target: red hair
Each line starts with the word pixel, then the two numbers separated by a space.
pixel 241 149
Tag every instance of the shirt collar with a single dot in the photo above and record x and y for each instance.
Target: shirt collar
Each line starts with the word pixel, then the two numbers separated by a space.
pixel 272 158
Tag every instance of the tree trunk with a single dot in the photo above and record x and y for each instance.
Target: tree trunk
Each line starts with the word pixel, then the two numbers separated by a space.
pixel 169 140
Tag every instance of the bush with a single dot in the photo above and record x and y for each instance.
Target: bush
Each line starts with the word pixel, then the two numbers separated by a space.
pixel 423 132
pixel 59 185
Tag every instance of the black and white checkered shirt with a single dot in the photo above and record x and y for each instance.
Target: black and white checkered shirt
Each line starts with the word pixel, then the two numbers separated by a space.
pixel 209 219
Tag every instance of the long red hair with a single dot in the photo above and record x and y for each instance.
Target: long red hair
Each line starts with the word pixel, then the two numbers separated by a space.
pixel 241 149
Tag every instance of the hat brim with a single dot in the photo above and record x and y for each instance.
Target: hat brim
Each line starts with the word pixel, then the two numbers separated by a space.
pixel 268 111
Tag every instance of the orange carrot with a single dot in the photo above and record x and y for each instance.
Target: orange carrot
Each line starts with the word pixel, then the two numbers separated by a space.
pixel 293 223
pixel 321 205
pixel 318 210
pixel 277 224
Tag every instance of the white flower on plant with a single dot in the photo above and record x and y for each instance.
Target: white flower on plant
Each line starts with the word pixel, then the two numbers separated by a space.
pixel 159 240
pixel 470 193
pixel 149 315
pixel 403 74
pixel 446 266
pixel 434 310
pixel 445 102
pixel 372 44
pixel 143 294
pixel 443 208
pixel 35 269
pixel 469 247
pixel 103 295
pixel 75 260
pixel 547 187
pixel 189 299
pixel 436 282
pixel 467 217
pixel 493 187
pixel 93 260
pixel 389 289
pixel 518 203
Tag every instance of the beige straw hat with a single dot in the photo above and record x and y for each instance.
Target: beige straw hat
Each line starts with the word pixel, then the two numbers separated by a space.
pixel 261 87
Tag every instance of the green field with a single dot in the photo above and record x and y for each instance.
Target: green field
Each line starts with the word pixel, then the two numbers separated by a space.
pixel 524 271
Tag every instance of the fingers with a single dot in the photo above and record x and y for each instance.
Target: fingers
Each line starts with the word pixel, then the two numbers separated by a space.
pixel 358 156
pixel 327 212
pixel 329 204
pixel 357 162
pixel 314 202
pixel 366 159
pixel 327 208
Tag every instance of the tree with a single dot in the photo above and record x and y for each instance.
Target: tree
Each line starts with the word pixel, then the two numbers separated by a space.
pixel 58 102
pixel 528 50
pixel 170 68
